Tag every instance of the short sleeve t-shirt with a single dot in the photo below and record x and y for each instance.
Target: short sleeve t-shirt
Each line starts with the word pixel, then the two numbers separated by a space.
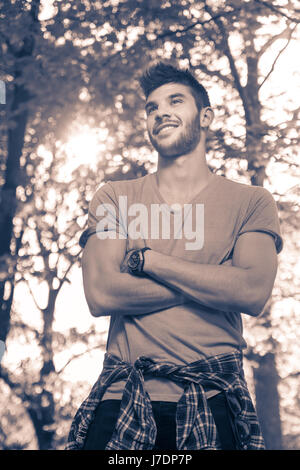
pixel 203 231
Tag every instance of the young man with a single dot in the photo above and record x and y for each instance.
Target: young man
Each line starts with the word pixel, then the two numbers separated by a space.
pixel 173 258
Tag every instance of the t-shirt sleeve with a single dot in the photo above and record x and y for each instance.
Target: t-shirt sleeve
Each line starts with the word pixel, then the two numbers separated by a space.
pixel 104 216
pixel 262 216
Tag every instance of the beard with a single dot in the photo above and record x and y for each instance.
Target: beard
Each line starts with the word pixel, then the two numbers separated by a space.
pixel 186 142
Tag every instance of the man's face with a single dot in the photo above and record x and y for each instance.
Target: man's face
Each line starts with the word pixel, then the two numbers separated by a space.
pixel 173 120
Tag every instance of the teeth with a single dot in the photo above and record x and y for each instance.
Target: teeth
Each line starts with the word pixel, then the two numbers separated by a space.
pixel 166 128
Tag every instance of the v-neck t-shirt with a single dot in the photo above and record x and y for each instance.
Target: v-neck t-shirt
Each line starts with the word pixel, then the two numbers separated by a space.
pixel 216 217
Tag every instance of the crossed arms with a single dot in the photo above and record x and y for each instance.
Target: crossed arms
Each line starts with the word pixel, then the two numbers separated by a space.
pixel 243 286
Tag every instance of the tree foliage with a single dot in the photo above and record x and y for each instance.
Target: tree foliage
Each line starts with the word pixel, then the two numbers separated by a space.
pixel 80 64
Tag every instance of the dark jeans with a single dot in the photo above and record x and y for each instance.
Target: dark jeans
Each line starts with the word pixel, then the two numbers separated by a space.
pixel 164 412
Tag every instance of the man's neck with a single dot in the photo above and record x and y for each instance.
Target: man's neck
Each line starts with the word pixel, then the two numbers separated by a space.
pixel 184 175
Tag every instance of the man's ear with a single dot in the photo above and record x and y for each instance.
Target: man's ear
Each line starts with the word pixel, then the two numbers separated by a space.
pixel 206 117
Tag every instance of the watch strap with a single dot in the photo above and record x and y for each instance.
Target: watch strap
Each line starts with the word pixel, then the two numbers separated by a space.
pixel 143 260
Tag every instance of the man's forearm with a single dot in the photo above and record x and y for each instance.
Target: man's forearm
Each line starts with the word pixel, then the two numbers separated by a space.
pixel 124 294
pixel 222 287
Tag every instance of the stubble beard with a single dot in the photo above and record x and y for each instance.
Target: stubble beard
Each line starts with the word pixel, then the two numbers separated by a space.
pixel 186 142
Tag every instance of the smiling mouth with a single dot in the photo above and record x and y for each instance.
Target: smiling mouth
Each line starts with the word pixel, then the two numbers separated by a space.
pixel 165 128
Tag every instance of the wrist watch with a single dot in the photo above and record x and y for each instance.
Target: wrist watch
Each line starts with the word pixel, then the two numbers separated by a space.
pixel 136 260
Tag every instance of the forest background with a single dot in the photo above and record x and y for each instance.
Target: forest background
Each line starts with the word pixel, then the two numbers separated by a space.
pixel 72 118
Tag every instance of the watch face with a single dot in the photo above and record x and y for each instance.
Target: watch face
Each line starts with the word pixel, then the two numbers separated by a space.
pixel 134 260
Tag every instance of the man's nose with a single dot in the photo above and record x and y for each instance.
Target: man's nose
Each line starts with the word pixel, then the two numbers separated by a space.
pixel 162 112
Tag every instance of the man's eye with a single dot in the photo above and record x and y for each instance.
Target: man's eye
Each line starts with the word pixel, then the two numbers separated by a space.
pixel 150 110
pixel 176 100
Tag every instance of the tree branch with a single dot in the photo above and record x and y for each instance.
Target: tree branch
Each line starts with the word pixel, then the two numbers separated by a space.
pixel 234 71
pixel 292 375
pixel 144 39
pixel 277 10
pixel 211 73
pixel 197 23
pixel 76 356
pixel 32 295
pixel 277 57
pixel 62 280
pixel 284 34
pixel 290 123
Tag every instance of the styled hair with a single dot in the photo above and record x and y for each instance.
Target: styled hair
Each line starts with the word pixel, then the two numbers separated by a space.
pixel 161 73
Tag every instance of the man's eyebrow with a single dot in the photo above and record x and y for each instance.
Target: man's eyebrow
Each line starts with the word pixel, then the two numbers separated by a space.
pixel 176 95
pixel 173 95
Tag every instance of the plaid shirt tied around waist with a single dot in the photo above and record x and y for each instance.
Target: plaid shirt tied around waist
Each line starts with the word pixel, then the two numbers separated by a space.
pixel 196 429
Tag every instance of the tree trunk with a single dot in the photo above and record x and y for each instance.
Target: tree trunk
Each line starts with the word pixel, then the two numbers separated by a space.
pixel 266 380
pixel 8 203
pixel 41 411
pixel 39 405
pixel 8 200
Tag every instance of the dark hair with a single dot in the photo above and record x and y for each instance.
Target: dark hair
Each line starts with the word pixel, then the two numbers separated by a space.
pixel 161 73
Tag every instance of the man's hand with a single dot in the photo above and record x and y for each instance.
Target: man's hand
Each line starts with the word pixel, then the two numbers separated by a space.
pixel 108 287
pixel 124 264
